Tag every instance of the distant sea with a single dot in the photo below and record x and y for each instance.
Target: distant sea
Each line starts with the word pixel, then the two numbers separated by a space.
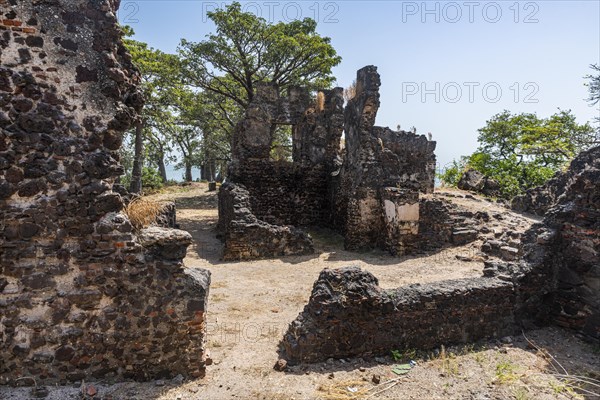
pixel 177 174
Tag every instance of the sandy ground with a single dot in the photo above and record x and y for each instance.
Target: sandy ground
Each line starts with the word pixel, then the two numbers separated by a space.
pixel 251 304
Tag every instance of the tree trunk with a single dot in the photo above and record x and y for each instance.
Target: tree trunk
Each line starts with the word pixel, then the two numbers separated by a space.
pixel 188 171
pixel 203 172
pixel 211 170
pixel 162 169
pixel 136 173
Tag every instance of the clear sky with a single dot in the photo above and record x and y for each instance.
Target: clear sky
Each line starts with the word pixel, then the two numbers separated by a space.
pixel 446 67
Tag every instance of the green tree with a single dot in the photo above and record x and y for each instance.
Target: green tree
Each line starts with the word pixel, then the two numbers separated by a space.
pixel 246 50
pixel 451 173
pixel 522 151
pixel 161 84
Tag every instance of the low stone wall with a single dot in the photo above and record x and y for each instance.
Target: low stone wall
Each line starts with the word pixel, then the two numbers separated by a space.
pixel 130 311
pixel 553 277
pixel 348 315
pixel 247 237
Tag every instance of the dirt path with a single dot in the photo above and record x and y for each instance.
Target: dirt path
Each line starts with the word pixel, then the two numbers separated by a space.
pixel 251 304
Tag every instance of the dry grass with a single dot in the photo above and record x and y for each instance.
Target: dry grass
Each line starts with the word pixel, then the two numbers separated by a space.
pixel 342 390
pixel 448 363
pixel 143 212
pixel 350 91
pixel 320 101
pixel 218 297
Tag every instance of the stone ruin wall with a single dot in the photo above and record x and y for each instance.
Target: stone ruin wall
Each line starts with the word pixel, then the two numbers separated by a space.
pixel 348 315
pixel 573 240
pixel 288 193
pixel 371 186
pixel 248 237
pixel 555 281
pixel 381 178
pixel 82 295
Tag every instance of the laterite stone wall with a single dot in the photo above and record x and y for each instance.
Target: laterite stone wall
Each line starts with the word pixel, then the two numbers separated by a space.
pixel 82 295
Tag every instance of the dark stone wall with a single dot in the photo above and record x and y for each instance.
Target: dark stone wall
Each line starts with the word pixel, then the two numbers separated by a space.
pixel 552 277
pixel 284 193
pixel 540 199
pixel 81 294
pixel 573 243
pixel 378 161
pixel 565 248
pixel 247 237
pixel 370 187
pixel 317 137
pixel 254 133
pixel 348 315
pixel 265 198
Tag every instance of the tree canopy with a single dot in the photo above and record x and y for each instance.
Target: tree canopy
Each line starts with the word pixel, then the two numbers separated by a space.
pixel 521 151
pixel 246 49
pixel 195 98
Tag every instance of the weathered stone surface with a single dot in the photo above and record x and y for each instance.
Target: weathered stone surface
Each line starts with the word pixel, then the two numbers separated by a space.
pixel 477 182
pixel 82 296
pixel 247 237
pixel 551 276
pixel 571 241
pixel 350 190
pixel 348 315
pixel 376 158
pixel 168 216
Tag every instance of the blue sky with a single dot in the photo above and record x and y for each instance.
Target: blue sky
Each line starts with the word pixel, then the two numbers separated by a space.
pixel 446 67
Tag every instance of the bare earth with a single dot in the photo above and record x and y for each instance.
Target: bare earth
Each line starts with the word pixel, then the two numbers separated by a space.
pixel 251 304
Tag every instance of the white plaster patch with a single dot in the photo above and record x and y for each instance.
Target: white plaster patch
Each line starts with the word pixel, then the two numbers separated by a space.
pixel 401 213
pixel 390 210
pixel 408 212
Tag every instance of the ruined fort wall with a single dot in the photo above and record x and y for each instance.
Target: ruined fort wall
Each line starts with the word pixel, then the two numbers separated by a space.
pixel 349 315
pixel 379 164
pixel 573 242
pixel 554 279
pixel 369 190
pixel 247 237
pixel 285 193
pixel 81 294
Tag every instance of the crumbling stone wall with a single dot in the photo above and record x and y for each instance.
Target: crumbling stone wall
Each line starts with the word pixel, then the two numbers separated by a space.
pixel 349 315
pixel 540 199
pixel 285 193
pixel 266 199
pixel 553 277
pixel 81 294
pixel 247 237
pixel 371 186
pixel 317 138
pixel 566 247
pixel 572 242
pixel 382 175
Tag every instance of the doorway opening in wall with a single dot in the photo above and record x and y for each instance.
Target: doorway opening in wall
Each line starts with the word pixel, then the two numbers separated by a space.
pixel 282 142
